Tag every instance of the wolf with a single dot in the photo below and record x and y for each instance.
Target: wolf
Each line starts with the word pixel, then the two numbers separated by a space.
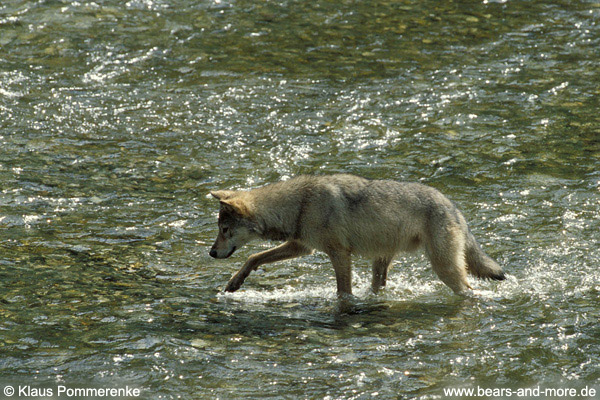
pixel 342 215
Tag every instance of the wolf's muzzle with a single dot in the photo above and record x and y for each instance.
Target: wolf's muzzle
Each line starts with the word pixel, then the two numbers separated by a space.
pixel 214 254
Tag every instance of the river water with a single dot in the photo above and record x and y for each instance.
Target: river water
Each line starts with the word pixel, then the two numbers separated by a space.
pixel 118 117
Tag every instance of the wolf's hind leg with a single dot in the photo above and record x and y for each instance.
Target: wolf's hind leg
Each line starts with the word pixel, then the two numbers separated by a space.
pixel 447 256
pixel 287 250
pixel 453 275
pixel 381 266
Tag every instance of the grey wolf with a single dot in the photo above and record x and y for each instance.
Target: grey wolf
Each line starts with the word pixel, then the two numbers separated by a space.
pixel 342 215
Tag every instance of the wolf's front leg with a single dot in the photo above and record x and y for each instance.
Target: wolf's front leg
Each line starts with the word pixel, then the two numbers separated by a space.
pixel 291 249
pixel 342 265
pixel 236 281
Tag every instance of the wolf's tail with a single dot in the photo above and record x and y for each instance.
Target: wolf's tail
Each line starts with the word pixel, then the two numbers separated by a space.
pixel 480 264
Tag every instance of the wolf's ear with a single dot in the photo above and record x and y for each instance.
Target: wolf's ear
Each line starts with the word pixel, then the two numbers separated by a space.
pixel 222 194
pixel 232 203
pixel 237 205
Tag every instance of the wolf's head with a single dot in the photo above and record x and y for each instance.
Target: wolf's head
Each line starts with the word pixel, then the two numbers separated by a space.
pixel 236 223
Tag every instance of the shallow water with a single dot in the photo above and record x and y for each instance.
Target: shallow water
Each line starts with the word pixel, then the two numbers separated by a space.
pixel 117 118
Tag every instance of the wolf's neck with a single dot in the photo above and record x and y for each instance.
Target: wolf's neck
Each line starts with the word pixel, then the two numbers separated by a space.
pixel 278 213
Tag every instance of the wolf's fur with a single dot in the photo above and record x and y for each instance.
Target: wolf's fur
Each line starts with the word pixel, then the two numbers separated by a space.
pixel 343 215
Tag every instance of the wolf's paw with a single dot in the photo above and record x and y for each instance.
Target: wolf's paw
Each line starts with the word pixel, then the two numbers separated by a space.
pixel 234 283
